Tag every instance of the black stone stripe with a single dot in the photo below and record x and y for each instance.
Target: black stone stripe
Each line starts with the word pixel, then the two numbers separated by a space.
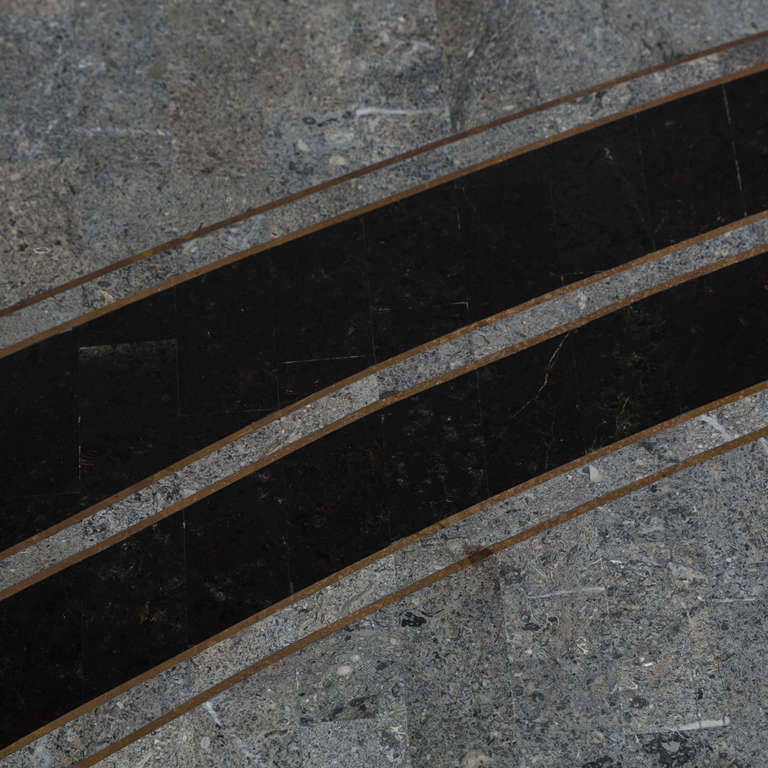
pixel 110 617
pixel 89 412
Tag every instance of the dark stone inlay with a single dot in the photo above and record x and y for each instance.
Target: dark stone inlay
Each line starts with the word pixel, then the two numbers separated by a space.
pixel 38 452
pixel 127 412
pixel 134 611
pixel 259 334
pixel 321 285
pixel 226 332
pixel 41 664
pixel 354 491
pixel 417 324
pixel 747 99
pixel 625 372
pixel 333 509
pixel 434 455
pixel 598 196
pixel 507 234
pixel 146 320
pixel 38 512
pixel 690 168
pixel 413 251
pixel 236 552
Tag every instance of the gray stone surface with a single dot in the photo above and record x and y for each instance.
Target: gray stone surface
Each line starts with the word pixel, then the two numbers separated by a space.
pixel 600 643
pixel 416 369
pixel 596 575
pixel 121 130
pixel 563 694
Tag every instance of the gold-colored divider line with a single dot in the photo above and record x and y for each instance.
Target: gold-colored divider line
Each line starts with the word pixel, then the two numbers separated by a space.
pixel 392 548
pixel 473 558
pixel 81 319
pixel 276 415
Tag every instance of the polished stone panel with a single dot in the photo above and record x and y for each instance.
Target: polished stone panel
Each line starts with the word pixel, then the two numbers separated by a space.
pixel 127 413
pixel 39 449
pixel 42 660
pixel 134 611
pixel 417 324
pixel 413 252
pixel 321 291
pixel 601 205
pixel 302 378
pixel 226 333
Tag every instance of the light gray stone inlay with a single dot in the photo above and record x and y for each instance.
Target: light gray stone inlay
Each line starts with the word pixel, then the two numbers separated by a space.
pixel 351 194
pixel 729 568
pixel 412 371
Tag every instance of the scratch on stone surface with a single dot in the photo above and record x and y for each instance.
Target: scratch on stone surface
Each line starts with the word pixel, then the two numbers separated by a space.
pixel 734 599
pixel 212 712
pixel 764 444
pixel 415 47
pixel 655 527
pixel 322 359
pixel 575 591
pixel 547 371
pixel 686 572
pixel 699 724
pixel 365 111
pixel 716 425
pixel 117 131
pixel 733 146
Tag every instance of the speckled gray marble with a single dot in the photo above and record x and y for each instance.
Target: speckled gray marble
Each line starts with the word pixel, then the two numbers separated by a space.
pixel 604 642
pixel 371 658
pixel 414 370
pixel 137 182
